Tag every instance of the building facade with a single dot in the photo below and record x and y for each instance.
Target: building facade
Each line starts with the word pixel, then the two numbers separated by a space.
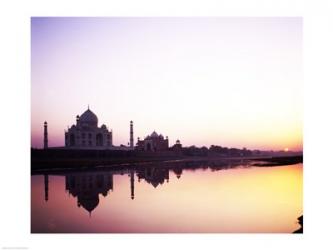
pixel 86 133
pixel 153 143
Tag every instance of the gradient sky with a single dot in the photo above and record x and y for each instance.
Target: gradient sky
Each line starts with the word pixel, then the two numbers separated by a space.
pixel 235 82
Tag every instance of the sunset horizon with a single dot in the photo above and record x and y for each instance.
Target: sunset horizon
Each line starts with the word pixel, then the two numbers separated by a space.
pixel 232 82
pixel 166 125
pixel 37 141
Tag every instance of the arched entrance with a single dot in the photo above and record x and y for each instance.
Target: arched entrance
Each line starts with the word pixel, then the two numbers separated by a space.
pixel 72 140
pixel 148 147
pixel 99 140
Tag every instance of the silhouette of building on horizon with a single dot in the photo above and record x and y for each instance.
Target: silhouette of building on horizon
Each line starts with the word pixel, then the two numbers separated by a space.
pixel 131 143
pixel 87 134
pixel 45 136
pixel 153 143
pixel 177 148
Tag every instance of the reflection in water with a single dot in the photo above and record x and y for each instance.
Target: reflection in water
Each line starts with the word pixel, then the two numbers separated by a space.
pixel 87 186
pixel 199 202
pixel 46 187
pixel 153 175
pixel 132 184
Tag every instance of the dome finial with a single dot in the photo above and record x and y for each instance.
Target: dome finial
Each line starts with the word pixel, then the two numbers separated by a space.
pixel 88 106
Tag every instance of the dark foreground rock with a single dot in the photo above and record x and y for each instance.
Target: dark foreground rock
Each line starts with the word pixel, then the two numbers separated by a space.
pixel 300 221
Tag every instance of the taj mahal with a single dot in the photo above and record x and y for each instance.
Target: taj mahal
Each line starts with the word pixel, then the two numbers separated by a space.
pixel 86 134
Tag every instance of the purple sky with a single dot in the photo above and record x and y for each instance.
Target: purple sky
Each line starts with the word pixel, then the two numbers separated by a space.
pixel 227 81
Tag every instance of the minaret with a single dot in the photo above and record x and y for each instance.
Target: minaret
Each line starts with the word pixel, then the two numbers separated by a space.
pixel 46 187
pixel 132 184
pixel 45 136
pixel 111 137
pixel 131 134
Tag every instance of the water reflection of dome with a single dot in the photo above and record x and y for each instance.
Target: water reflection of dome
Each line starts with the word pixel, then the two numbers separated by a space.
pixel 88 186
pixel 88 202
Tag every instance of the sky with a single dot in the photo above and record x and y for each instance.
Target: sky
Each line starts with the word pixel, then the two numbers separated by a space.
pixel 229 81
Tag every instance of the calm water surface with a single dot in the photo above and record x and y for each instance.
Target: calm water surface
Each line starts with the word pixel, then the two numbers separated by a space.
pixel 240 199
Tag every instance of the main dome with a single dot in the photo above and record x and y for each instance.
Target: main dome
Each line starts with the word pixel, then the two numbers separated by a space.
pixel 89 117
pixel 154 134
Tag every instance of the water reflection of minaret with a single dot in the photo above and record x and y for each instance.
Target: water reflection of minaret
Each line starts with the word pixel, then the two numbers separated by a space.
pixel 46 187
pixel 132 184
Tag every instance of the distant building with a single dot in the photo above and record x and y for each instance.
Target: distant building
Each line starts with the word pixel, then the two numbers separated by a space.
pixel 177 147
pixel 153 143
pixel 87 134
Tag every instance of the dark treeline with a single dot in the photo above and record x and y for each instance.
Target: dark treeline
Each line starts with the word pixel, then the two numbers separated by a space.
pixel 185 151
pixel 218 151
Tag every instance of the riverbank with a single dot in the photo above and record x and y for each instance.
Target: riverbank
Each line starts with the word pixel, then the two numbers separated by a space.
pixel 91 160
pixel 278 161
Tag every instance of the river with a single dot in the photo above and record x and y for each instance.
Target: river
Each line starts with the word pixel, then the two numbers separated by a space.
pixel 169 199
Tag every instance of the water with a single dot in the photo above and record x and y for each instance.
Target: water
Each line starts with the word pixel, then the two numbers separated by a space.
pixel 155 199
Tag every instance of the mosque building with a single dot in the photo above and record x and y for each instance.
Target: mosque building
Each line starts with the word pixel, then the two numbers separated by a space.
pixel 153 143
